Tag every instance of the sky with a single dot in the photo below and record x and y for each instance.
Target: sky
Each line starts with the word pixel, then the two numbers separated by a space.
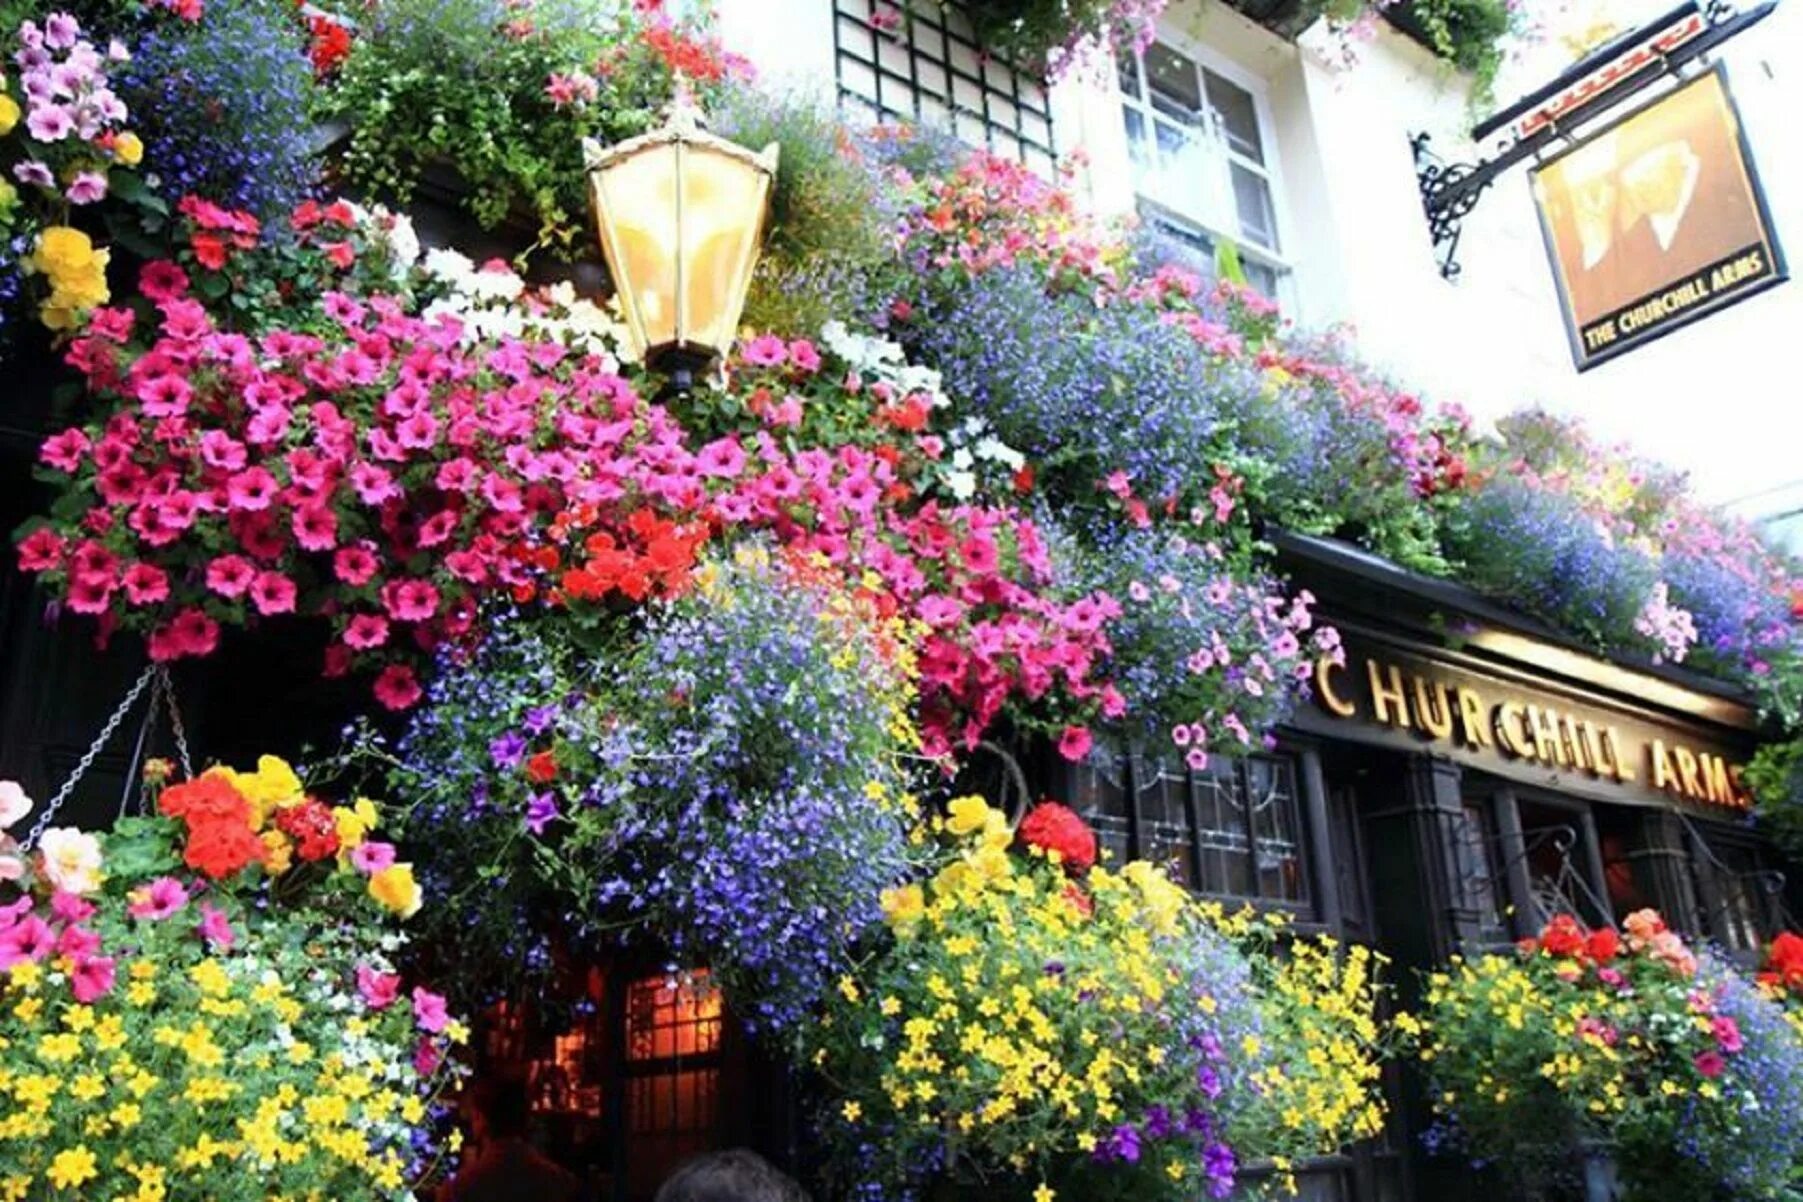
pixel 1723 397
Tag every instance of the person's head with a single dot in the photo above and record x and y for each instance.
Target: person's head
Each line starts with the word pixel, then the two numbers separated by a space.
pixel 500 1107
pixel 733 1176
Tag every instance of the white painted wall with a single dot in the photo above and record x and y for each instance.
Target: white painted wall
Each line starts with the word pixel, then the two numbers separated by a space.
pixel 1720 398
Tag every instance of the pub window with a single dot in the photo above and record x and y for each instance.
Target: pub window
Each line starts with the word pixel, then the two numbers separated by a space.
pixel 1558 856
pixel 1740 891
pixel 1476 852
pixel 629 1085
pixel 918 62
pixel 1233 830
pixel 1202 156
pixel 672 1075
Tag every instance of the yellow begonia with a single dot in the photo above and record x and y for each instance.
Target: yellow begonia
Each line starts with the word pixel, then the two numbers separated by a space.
pixel 395 888
pixel 9 114
pixel 76 271
pixel 968 815
pixel 128 148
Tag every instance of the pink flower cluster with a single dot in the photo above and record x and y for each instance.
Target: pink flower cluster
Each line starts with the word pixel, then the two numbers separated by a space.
pixel 71 111
pixel 385 473
pixel 26 936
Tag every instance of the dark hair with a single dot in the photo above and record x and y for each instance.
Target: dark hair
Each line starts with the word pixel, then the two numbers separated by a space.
pixel 505 1101
pixel 732 1176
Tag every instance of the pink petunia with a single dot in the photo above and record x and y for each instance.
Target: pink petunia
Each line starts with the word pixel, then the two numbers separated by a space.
pixel 162 280
pixel 162 898
pixel 272 593
pixel 766 350
pixel 429 1010
pixel 397 688
pixel 1074 743
pixel 145 584
pixel 372 857
pixel 88 187
pixel 410 600
pixel 365 632
pixel 215 928
pixel 231 575
pixel 28 939
pixel 378 989
pixel 355 566
pixel 92 978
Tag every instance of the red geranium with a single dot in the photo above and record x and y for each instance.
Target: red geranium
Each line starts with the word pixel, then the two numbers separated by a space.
pixel 541 769
pixel 1784 962
pixel 1055 828
pixel 1603 946
pixel 311 826
pixel 1563 936
pixel 206 801
pixel 222 849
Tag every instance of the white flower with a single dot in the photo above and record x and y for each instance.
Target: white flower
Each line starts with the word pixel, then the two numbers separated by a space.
pixel 962 459
pixel 14 805
pixel 449 266
pixel 71 859
pixel 914 378
pixel 403 242
pixel 997 451
pixel 963 485
pixel 496 283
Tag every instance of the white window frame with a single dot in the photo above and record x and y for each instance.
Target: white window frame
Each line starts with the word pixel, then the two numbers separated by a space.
pixel 1207 216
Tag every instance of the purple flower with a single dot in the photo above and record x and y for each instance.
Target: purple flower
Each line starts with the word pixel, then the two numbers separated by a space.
pixel 1121 1145
pixel 86 188
pixel 509 750
pixel 49 123
pixel 539 719
pixel 541 810
pixel 1219 1163
pixel 31 171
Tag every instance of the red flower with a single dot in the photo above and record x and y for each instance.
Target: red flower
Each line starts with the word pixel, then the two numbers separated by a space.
pixel 1784 961
pixel 312 828
pixel 1055 828
pixel 542 768
pixel 1603 945
pixel 222 849
pixel 205 801
pixel 1562 937
pixel 1079 897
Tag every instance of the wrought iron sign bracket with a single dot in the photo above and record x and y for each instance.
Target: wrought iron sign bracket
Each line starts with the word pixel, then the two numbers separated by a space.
pixel 1601 80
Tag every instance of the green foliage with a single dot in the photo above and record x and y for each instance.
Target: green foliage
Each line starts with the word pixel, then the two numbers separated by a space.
pixel 1775 778
pixel 831 238
pixel 463 85
pixel 1469 34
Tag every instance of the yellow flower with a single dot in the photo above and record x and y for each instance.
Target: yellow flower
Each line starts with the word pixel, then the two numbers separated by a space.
pixel 72 1167
pixel 128 149
pixel 968 815
pixel 852 1111
pixel 903 905
pixel 281 852
pixel 395 888
pixel 9 114
pixel 1044 1193
pixel 354 822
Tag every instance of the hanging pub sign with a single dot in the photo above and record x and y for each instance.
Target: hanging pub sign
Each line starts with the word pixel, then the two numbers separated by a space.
pixel 1655 221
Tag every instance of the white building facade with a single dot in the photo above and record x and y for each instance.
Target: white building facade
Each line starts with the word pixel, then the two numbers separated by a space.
pixel 1224 129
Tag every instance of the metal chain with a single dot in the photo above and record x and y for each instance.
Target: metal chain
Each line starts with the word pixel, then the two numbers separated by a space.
pixel 175 721
pixel 87 760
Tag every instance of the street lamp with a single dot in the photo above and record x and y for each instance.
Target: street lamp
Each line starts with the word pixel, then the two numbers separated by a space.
pixel 681 215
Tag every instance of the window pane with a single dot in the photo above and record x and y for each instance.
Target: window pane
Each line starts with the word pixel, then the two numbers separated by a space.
pixel 1252 199
pixel 1138 148
pixel 1225 840
pixel 1262 278
pixel 1477 864
pixel 1276 829
pixel 1099 794
pixel 1166 835
pixel 1126 69
pixel 1173 82
pixel 1239 117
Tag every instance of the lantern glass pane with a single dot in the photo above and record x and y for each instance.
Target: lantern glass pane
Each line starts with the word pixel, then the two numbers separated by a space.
pixel 639 197
pixel 722 210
